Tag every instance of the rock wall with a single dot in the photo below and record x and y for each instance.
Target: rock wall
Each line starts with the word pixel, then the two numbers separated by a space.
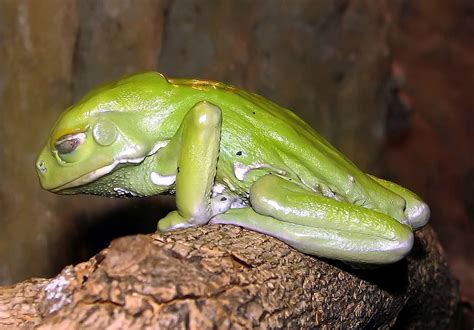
pixel 433 154
pixel 326 60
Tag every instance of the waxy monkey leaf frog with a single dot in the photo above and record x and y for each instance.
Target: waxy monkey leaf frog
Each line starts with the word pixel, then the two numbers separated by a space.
pixel 231 157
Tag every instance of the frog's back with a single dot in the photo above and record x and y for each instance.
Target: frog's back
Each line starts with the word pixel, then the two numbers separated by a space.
pixel 259 136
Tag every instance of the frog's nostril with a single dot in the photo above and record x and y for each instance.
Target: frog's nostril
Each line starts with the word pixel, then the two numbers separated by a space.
pixel 41 167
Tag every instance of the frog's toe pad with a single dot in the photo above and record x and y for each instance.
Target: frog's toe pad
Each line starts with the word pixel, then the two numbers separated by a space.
pixel 418 215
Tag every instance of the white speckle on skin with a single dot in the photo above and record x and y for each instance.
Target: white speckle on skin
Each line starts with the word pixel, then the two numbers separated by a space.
pixel 162 180
pixel 124 192
pixel 217 189
pixel 350 185
pixel 158 146
pixel 238 203
pixel 241 170
pixel 330 192
pixel 222 203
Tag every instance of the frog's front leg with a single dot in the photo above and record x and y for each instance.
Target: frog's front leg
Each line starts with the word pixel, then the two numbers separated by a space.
pixel 319 225
pixel 193 151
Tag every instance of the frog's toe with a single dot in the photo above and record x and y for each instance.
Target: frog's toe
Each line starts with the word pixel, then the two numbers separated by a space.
pixel 172 221
pixel 418 214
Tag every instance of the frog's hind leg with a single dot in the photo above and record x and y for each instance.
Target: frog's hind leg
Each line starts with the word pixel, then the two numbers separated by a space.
pixel 319 225
pixel 416 211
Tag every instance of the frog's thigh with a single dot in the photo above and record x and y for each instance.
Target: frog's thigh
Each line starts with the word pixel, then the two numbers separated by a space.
pixel 321 226
pixel 198 152
pixel 416 211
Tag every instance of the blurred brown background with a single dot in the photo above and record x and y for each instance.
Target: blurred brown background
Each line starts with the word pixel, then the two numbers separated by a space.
pixel 388 82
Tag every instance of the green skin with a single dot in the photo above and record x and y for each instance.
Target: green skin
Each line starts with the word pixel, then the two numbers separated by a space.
pixel 232 157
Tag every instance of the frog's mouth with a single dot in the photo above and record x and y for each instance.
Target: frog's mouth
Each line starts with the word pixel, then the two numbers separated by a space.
pixel 100 172
pixel 94 175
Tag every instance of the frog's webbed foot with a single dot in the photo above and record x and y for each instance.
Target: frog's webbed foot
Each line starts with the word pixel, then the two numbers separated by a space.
pixel 319 225
pixel 218 204
pixel 173 221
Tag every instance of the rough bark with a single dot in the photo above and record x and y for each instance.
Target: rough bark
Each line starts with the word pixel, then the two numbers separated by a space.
pixel 229 277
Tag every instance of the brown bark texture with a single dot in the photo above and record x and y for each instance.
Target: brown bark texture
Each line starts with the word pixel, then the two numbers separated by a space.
pixel 228 277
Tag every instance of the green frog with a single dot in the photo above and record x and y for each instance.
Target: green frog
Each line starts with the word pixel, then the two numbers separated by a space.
pixel 231 157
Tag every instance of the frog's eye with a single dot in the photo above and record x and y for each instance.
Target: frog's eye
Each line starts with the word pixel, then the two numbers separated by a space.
pixel 69 143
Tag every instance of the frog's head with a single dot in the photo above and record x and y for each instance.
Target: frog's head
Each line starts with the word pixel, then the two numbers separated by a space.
pixel 103 130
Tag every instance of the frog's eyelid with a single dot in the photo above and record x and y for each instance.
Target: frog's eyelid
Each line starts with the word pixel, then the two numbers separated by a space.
pixel 69 143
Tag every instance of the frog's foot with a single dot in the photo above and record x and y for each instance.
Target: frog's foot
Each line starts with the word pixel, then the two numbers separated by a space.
pixel 321 226
pixel 173 221
pixel 416 211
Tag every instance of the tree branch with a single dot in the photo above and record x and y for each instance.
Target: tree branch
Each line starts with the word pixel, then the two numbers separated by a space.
pixel 229 277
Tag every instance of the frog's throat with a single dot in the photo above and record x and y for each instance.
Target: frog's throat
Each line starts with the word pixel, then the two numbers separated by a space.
pixel 97 174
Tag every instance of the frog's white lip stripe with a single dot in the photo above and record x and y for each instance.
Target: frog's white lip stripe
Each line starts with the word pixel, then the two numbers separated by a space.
pixel 94 175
